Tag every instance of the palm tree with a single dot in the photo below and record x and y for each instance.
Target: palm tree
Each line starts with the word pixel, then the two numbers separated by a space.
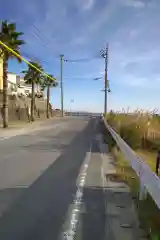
pixel 48 83
pixel 10 37
pixel 32 76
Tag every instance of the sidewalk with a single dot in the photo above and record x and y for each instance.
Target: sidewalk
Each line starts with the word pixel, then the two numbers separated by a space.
pixel 18 128
pixel 121 218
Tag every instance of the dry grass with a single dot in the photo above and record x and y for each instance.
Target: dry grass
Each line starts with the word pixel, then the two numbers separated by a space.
pixel 148 157
pixel 144 121
pixel 141 132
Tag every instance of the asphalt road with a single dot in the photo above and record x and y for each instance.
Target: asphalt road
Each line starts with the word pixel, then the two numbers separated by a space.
pixel 38 177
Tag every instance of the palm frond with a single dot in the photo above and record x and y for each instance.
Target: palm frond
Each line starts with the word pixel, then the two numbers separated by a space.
pixel 16 35
pixel 10 37
pixel 49 81
pixel 12 27
pixel 32 75
pixel 4 27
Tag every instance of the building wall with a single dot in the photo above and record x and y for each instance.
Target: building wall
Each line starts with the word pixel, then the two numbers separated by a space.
pixel 22 82
pixel 12 78
pixel 18 105
pixel 12 87
pixel 1 74
pixel 27 90
pixel 21 91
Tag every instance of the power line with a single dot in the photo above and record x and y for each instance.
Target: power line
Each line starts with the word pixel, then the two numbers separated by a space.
pixel 31 57
pixel 39 35
pixel 39 38
pixel 23 59
pixel 83 59
pixel 43 38
pixel 39 31
pixel 34 58
pixel 83 78
pixel 46 44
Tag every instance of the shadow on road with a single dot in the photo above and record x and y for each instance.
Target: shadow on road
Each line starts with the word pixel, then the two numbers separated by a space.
pixel 93 218
pixel 8 196
pixel 39 213
pixel 92 223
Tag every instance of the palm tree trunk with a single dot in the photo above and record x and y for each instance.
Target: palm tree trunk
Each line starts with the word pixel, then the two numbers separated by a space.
pixel 48 96
pixel 32 101
pixel 5 92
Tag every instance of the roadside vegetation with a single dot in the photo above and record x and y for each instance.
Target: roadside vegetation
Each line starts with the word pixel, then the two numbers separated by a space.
pixel 141 132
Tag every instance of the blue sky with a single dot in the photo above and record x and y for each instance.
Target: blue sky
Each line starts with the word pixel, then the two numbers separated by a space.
pixel 79 29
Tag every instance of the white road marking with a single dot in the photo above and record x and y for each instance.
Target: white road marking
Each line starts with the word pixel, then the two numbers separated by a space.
pixel 70 233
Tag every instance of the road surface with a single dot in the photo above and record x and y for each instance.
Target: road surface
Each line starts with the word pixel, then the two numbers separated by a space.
pixel 38 181
pixel 53 186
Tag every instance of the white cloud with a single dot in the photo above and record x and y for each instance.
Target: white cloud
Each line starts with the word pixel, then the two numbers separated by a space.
pixel 136 82
pixel 85 5
pixel 103 17
pixel 152 5
pixel 78 41
pixel 133 3
pixel 133 33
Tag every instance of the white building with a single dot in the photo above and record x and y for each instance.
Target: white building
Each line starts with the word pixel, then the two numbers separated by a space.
pixel 23 88
pixel 17 86
pixel 12 83
pixel 12 77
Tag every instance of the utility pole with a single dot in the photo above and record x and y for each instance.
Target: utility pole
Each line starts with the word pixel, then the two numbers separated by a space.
pixel 62 59
pixel 104 54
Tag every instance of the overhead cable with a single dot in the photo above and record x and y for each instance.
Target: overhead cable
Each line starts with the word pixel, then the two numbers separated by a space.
pixel 23 59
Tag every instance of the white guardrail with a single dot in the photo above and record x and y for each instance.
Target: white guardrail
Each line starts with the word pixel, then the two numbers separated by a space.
pixel 148 179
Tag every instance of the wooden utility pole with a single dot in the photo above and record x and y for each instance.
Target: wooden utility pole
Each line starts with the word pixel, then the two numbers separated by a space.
pixel 61 61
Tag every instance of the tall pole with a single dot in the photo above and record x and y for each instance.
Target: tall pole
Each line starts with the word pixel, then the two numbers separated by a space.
pixel 106 81
pixel 104 54
pixel 62 59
